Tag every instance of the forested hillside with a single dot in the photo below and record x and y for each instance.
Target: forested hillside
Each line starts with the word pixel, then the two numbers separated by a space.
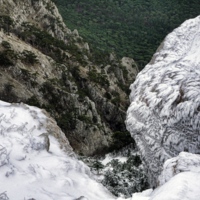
pixel 132 28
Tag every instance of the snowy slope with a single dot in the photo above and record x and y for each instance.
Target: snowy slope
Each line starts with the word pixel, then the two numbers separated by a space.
pixel 36 160
pixel 164 113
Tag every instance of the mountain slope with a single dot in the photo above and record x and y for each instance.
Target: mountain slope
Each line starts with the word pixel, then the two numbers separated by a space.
pixel 133 28
pixel 45 64
pixel 164 113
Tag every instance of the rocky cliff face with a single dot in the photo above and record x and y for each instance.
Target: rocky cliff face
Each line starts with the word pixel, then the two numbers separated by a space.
pixel 165 100
pixel 45 64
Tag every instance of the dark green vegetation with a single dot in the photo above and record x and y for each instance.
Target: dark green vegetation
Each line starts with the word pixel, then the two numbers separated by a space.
pixel 6 22
pixel 120 140
pixel 122 178
pixel 125 178
pixel 133 28
pixel 97 166
pixel 76 70
pixel 7 55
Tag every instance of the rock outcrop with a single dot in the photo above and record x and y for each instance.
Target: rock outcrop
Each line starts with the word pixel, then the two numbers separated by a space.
pixel 45 64
pixel 164 113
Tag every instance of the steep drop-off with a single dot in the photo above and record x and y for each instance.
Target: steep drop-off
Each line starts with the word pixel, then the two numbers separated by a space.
pixel 45 64
pixel 134 28
pixel 164 113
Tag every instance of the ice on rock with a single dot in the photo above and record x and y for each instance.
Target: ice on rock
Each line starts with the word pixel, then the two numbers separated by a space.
pixel 36 160
pixel 179 179
pixel 184 186
pixel 164 113
pixel 185 162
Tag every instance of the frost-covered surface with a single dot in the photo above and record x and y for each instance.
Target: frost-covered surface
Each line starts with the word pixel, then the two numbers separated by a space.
pixel 164 113
pixel 108 158
pixel 122 154
pixel 125 178
pixel 185 162
pixel 183 186
pixel 36 160
pixel 179 180
pixel 121 172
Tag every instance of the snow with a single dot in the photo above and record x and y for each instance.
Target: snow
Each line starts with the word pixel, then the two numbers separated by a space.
pixel 164 113
pixel 184 186
pixel 142 195
pixel 30 168
pixel 163 118
pixel 180 179
pixel 110 157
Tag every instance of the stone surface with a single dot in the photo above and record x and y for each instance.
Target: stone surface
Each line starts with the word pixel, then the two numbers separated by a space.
pixel 131 66
pixel 164 113
pixel 50 85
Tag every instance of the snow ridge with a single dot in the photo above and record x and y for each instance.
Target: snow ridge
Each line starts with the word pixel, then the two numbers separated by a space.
pixel 164 113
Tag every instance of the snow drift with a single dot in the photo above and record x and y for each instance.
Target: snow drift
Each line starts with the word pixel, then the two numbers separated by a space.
pixel 164 113
pixel 36 160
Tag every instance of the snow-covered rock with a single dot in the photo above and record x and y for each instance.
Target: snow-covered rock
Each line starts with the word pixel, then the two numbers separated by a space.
pixel 179 180
pixel 164 113
pixel 36 160
pixel 185 162
pixel 184 186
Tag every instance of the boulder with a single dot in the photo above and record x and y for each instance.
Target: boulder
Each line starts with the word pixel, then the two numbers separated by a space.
pixel 164 114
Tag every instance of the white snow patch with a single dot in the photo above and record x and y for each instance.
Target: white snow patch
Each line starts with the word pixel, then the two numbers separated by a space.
pixel 110 157
pixel 28 169
pixel 184 186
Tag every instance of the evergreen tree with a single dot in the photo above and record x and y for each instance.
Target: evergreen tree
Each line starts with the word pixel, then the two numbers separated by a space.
pixel 97 166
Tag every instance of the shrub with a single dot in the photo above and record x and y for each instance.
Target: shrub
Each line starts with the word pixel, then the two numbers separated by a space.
pixel 124 88
pixel 97 166
pixel 125 178
pixel 85 119
pixel 108 95
pixel 67 121
pixel 125 72
pixel 116 101
pixel 4 60
pixel 25 74
pixel 83 93
pixel 134 160
pixel 116 94
pixel 120 140
pixel 33 101
pixel 6 22
pixel 6 44
pixel 29 57
pixel 98 78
